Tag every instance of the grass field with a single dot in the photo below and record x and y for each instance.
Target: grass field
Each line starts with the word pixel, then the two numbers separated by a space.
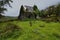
pixel 39 30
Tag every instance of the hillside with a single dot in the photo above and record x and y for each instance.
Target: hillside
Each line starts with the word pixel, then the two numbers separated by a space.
pixel 7 18
pixel 38 31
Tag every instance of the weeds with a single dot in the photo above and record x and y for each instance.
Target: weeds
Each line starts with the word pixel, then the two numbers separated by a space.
pixel 10 30
pixel 56 35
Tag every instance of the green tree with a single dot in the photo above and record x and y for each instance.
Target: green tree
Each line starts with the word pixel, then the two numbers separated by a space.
pixel 58 10
pixel 35 7
pixel 36 10
pixel 2 4
pixel 52 12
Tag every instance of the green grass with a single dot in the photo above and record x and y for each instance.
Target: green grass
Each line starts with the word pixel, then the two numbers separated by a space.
pixel 38 31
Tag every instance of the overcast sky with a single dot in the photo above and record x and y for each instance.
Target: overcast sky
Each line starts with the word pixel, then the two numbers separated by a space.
pixel 42 4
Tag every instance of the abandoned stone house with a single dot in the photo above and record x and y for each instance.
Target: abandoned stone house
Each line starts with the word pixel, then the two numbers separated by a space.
pixel 28 13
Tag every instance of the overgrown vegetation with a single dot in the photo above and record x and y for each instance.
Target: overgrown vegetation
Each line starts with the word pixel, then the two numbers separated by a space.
pixel 9 31
pixel 52 13
pixel 38 31
pixel 31 29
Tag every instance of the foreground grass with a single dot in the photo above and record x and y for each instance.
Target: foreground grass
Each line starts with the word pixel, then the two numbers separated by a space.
pixel 38 31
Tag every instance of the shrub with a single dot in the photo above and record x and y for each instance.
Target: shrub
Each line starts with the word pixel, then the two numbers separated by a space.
pixel 42 25
pixel 56 35
pixel 10 30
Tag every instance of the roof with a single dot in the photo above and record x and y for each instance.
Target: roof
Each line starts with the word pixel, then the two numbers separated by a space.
pixel 29 8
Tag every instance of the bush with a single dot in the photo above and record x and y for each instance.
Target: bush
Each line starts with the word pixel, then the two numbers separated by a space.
pixel 42 25
pixel 56 35
pixel 10 30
